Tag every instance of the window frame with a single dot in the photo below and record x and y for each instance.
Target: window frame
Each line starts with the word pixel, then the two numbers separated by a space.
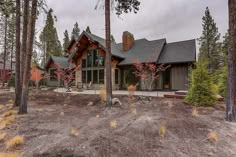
pixel 86 69
pixel 53 77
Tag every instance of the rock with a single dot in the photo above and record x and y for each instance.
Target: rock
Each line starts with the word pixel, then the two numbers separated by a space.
pixel 62 114
pixel 116 101
pixel 90 104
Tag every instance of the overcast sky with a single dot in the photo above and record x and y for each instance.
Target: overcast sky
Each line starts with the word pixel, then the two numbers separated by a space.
pixel 174 20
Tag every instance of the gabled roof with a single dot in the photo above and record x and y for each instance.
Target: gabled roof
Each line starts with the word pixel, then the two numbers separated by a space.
pixel 148 51
pixel 60 61
pixel 115 51
pixel 143 50
pixel 179 52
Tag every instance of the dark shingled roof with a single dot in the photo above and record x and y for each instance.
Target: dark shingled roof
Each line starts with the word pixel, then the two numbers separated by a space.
pixel 60 61
pixel 115 50
pixel 183 51
pixel 143 50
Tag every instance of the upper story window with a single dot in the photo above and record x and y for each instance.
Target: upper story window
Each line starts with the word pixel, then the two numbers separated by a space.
pixel 93 59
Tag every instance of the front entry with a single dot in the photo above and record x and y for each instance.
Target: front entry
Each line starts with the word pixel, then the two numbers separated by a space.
pixel 167 79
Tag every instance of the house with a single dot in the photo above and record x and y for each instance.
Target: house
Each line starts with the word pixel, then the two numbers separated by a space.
pixel 51 67
pixel 89 52
pixel 36 73
pixel 8 69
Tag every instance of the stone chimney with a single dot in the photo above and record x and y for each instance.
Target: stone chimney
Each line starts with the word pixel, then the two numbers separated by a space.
pixel 128 40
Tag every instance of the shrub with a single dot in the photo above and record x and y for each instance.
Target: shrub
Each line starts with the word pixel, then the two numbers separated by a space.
pixel 201 89
pixel 10 155
pixel 8 120
pixel 43 82
pixel 131 90
pixel 213 137
pixel 223 81
pixel 195 112
pixel 2 136
pixel 15 141
pixel 74 132
pixel 11 81
pixel 9 113
pixel 162 131
pixel 1 106
pixel 103 95
pixel 31 83
pixel 113 124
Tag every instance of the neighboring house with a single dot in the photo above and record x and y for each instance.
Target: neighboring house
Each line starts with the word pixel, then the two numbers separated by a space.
pixel 36 73
pixel 89 52
pixel 50 68
pixel 8 70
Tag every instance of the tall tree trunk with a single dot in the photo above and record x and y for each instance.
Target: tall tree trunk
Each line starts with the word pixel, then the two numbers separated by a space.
pixel 17 53
pixel 108 55
pixel 29 49
pixel 12 49
pixel 5 52
pixel 24 37
pixel 231 95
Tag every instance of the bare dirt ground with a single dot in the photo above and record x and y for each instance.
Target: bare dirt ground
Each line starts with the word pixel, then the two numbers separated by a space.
pixel 51 116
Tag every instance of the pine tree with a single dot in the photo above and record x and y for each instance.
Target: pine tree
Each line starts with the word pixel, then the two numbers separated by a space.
pixel 225 47
pixel 122 6
pixel 201 91
pixel 231 82
pixel 113 39
pixel 49 37
pixel 76 31
pixel 209 42
pixel 66 40
pixel 88 29
pixel 223 70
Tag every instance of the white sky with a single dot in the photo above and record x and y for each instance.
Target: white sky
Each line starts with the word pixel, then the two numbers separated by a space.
pixel 172 19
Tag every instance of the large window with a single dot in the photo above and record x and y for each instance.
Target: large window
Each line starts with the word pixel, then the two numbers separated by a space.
pixel 101 76
pixel 84 76
pixel 89 76
pixel 116 76
pixel 95 76
pixel 93 67
pixel 95 58
pixel 83 63
pixel 89 59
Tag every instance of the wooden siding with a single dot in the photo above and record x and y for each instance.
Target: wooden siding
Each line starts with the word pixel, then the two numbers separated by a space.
pixel 83 55
pixel 179 77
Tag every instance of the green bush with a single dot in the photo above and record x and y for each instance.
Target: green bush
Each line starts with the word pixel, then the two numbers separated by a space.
pixel 223 81
pixel 11 81
pixel 201 89
pixel 31 83
pixel 43 82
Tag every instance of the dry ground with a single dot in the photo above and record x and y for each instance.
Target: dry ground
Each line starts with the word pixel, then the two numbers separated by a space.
pixel 51 116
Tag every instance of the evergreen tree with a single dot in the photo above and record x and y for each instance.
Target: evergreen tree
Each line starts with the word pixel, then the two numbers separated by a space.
pixel 76 31
pixel 122 6
pixel 88 29
pixel 225 47
pixel 49 37
pixel 66 40
pixel 113 39
pixel 201 89
pixel 209 42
